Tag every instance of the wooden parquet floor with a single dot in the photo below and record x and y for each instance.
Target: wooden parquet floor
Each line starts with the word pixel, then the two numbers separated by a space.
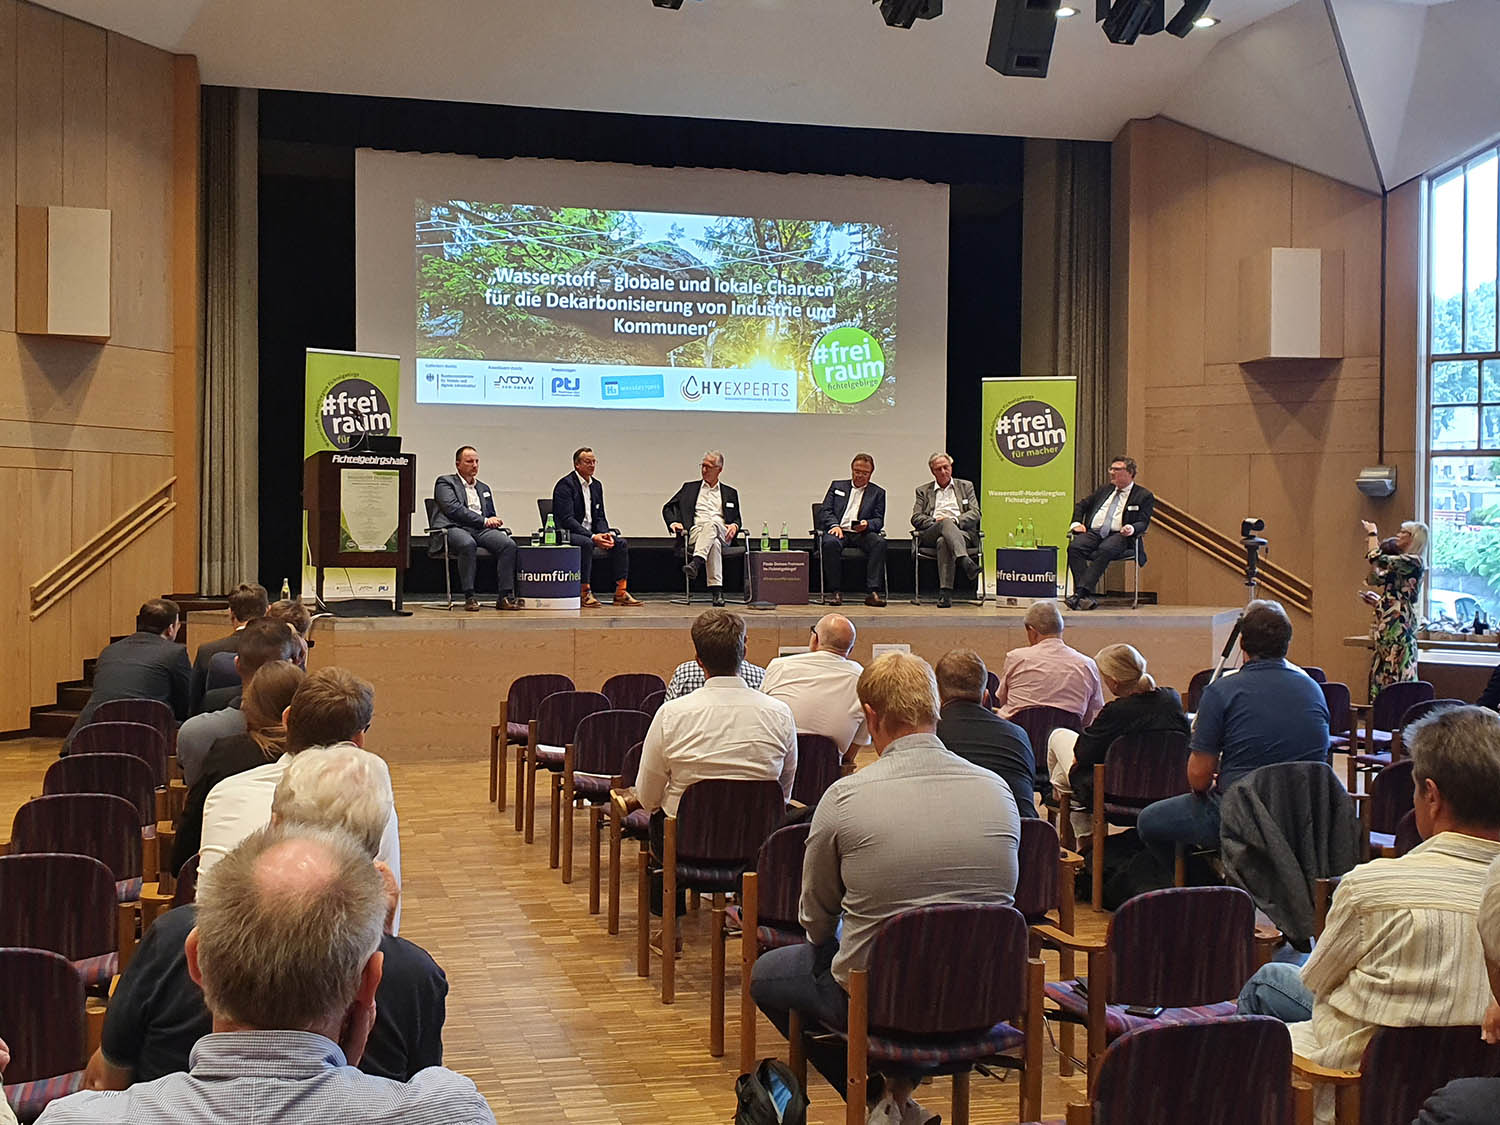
pixel 545 1012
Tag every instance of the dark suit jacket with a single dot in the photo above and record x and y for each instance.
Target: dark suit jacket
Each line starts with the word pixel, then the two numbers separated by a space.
pixel 201 660
pixel 1138 508
pixel 141 666
pixel 453 503
pixel 978 735
pixel 871 505
pixel 567 506
pixel 681 507
pixel 220 698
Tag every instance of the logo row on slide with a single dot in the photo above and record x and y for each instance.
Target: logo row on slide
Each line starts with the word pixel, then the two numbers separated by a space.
pixel 471 382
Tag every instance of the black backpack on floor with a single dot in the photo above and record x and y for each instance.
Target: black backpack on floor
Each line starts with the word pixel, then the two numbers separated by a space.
pixel 771 1095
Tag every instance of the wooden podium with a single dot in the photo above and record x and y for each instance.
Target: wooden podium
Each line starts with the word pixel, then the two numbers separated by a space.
pixel 358 514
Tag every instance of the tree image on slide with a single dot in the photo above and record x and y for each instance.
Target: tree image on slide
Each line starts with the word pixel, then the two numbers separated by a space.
pixel 748 295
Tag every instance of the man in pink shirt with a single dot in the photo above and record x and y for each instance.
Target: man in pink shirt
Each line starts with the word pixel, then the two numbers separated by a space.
pixel 1047 673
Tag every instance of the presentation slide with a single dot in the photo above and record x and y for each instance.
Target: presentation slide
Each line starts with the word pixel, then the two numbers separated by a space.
pixel 528 304
pixel 652 314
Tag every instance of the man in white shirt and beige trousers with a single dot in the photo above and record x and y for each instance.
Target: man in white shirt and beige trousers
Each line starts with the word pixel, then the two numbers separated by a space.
pixel 1401 948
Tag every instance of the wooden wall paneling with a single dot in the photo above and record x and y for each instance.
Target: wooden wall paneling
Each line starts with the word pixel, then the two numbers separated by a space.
pixel 132 478
pixel 186 322
pixel 140 193
pixel 1333 216
pixel 1218 492
pixel 1175 254
pixel 93 495
pixel 8 70
pixel 15 654
pixel 600 652
pixel 85 128
pixel 142 571
pixel 47 522
pixel 1405 335
pixel 76 383
pixel 1249 208
pixel 39 106
pixel 92 618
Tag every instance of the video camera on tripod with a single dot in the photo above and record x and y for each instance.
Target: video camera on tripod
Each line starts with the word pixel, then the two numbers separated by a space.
pixel 1250 539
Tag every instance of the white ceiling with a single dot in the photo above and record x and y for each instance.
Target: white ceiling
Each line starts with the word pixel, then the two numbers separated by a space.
pixel 1269 76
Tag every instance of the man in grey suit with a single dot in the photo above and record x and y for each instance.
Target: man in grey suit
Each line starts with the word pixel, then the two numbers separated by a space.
pixel 466 512
pixel 946 514
pixel 148 664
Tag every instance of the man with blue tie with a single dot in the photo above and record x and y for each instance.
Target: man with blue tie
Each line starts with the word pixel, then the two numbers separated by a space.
pixel 853 515
pixel 1107 526
pixel 578 511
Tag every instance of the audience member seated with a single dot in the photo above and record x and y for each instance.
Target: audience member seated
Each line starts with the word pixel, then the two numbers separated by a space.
pixel 1139 707
pixel 1473 1101
pixel 1270 711
pixel 148 664
pixel 291 612
pixel 157 1013
pixel 726 730
pixel 821 685
pixel 688 677
pixel 1401 948
pixel 330 706
pixel 247 602
pixel 918 827
pixel 263 740
pixel 1047 673
pixel 287 951
pixel 976 734
pixel 261 642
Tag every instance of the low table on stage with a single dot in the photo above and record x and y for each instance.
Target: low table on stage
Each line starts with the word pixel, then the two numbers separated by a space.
pixel 548 577
pixel 1025 574
pixel 779 577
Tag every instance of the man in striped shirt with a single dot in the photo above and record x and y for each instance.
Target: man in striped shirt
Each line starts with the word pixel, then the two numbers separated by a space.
pixel 1401 948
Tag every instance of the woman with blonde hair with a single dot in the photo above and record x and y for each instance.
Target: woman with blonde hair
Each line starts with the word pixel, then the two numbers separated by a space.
pixel 1396 568
pixel 264 708
pixel 1139 706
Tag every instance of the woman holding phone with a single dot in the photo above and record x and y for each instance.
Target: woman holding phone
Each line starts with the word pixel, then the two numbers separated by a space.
pixel 1396 569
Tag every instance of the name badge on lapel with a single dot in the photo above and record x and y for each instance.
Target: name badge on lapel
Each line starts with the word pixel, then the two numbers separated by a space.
pixel 729 503
pixel 838 492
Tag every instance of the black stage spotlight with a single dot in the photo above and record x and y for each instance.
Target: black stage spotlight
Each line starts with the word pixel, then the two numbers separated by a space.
pixel 904 13
pixel 1021 37
pixel 1183 21
pixel 1129 19
pixel 673 4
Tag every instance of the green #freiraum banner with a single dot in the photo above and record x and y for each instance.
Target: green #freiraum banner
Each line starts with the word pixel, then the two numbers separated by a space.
pixel 1028 454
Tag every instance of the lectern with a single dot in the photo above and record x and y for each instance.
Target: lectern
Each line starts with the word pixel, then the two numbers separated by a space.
pixel 358 511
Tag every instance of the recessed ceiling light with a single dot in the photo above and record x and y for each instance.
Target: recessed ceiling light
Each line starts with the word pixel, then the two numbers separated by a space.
pixel 1065 11
pixel 1205 21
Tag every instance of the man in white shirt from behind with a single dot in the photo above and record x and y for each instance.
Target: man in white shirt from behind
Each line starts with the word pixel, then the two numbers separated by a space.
pixel 821 685
pixel 331 706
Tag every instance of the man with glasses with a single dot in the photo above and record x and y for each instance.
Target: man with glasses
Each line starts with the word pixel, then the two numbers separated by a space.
pixel 853 515
pixel 946 515
pixel 706 513
pixel 1107 526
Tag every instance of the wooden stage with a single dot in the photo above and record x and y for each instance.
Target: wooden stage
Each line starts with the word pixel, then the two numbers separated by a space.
pixel 439 675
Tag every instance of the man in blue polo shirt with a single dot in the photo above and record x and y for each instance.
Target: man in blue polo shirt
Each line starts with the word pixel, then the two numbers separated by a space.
pixel 1266 713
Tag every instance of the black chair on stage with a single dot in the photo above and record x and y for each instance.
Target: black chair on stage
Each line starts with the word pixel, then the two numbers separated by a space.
pixel 854 553
pixel 437 548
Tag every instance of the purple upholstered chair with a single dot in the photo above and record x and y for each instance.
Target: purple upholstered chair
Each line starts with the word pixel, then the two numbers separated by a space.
pixel 517 709
pixel 628 690
pixel 991 687
pixel 65 904
pixel 90 824
pixel 635 825
pixel 140 739
pixel 652 703
pixel 1039 723
pixel 714 839
pixel 1234 1071
pixel 1390 799
pixel 547 737
pixel 186 891
pixel 819 765
pixel 152 712
pixel 45 1026
pixel 1316 674
pixel 1044 886
pixel 909 1011
pixel 591 760
pixel 1407 836
pixel 766 918
pixel 1383 722
pixel 1138 769
pixel 1340 717
pixel 1400 1069
pixel 1194 694
pixel 1187 950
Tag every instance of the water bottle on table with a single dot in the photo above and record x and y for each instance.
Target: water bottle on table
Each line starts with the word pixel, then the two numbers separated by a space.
pixel 549 536
pixel 786 542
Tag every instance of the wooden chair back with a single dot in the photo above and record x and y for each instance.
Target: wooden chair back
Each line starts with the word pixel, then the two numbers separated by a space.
pixel 629 690
pixel 140 739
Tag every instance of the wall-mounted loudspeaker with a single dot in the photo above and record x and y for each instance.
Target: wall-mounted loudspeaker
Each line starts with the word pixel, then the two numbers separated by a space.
pixel 1021 37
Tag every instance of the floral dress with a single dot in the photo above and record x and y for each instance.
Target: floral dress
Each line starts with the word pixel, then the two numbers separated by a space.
pixel 1396 578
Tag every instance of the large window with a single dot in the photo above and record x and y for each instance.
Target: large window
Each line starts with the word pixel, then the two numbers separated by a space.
pixel 1463 392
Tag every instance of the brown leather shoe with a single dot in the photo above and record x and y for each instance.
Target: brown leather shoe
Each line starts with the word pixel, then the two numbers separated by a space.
pixel 834 598
pixel 588 601
pixel 511 603
pixel 623 597
pixel 471 603
pixel 874 598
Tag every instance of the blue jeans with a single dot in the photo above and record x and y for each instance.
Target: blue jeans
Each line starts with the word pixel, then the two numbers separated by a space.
pixel 1186 819
pixel 1277 990
pixel 801 977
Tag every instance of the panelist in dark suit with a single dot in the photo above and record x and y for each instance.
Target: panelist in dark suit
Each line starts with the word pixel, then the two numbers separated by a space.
pixel 578 511
pixel 1106 526
pixel 466 511
pixel 853 515
pixel 247 601
pixel 148 664
pixel 706 513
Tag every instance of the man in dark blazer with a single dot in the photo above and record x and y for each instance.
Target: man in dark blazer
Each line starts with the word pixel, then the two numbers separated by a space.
pixel 247 601
pixel 466 512
pixel 580 515
pixel 1107 526
pixel 853 515
pixel 706 513
pixel 976 734
pixel 148 664
pixel 946 515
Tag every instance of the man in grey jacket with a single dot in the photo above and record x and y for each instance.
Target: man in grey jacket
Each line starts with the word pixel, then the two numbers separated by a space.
pixel 946 514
